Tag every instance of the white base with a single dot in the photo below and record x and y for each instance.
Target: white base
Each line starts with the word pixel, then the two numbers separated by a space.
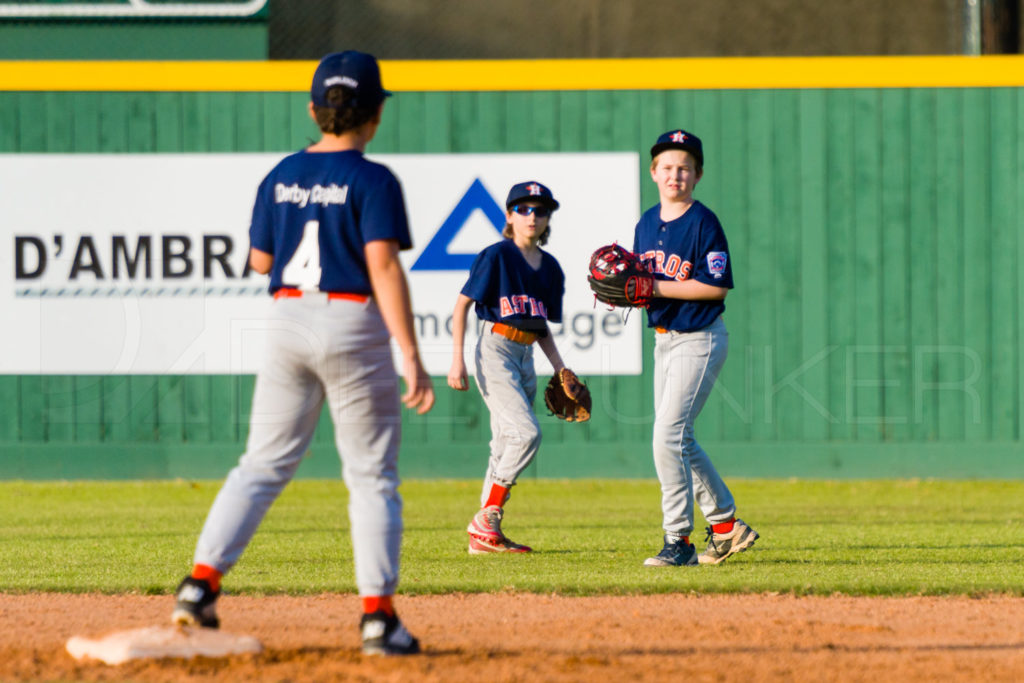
pixel 155 642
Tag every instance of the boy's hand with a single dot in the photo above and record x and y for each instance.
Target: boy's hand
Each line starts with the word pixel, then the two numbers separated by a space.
pixel 457 378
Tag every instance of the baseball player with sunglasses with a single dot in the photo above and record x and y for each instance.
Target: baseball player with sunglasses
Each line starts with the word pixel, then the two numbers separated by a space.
pixel 327 226
pixel 516 288
pixel 682 243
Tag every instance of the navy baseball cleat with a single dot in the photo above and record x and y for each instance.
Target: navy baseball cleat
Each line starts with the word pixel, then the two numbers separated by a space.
pixel 721 546
pixel 196 604
pixel 675 554
pixel 384 634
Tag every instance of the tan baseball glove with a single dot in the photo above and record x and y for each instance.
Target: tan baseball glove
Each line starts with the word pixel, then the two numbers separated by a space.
pixel 567 397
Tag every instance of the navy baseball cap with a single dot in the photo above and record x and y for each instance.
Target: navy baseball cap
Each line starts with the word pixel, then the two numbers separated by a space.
pixel 679 139
pixel 356 70
pixel 533 191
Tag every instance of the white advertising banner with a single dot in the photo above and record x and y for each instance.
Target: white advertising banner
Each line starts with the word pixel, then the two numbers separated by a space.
pixel 33 9
pixel 136 264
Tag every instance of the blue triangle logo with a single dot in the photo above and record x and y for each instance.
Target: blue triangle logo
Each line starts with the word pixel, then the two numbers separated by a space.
pixel 435 255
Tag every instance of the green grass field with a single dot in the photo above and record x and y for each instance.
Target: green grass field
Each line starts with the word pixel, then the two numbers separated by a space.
pixel 817 537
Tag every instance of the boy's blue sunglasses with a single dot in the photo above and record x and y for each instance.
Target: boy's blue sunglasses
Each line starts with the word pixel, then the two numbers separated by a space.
pixel 538 211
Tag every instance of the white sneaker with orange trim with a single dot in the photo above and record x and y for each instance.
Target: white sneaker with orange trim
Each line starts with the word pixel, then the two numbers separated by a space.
pixel 482 546
pixel 485 534
pixel 486 523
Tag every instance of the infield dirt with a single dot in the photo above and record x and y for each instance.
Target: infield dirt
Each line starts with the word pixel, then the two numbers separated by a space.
pixel 527 637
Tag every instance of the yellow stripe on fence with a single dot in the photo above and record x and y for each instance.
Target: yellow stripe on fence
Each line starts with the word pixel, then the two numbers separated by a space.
pixel 525 75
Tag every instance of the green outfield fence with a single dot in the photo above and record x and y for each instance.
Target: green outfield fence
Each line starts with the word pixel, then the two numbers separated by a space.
pixel 875 211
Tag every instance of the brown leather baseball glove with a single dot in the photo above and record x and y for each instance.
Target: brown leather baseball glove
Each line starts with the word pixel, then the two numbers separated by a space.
pixel 567 397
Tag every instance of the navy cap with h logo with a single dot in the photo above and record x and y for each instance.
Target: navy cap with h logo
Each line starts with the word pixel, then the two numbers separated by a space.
pixel 531 190
pixel 679 139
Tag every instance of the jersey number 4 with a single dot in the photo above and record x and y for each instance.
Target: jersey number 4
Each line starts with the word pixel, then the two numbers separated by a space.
pixel 303 268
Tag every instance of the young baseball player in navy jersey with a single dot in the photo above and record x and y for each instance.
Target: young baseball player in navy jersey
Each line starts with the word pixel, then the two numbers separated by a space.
pixel 327 225
pixel 682 242
pixel 517 288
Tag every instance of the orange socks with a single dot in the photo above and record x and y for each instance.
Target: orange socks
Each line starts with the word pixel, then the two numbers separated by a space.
pixel 211 575
pixel 497 496
pixel 724 527
pixel 378 603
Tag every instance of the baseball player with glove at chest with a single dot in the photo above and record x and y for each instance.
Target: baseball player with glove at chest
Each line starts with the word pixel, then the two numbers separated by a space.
pixel 680 271
pixel 516 288
pixel 327 226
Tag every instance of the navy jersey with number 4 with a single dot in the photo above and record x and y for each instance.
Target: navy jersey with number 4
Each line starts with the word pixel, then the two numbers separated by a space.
pixel 315 212
pixel 691 246
pixel 508 290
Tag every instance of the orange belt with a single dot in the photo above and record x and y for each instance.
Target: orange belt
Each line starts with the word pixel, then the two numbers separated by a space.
pixel 661 330
pixel 515 334
pixel 291 293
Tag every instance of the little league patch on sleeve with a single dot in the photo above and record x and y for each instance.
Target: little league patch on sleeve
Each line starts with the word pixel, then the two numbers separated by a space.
pixel 716 262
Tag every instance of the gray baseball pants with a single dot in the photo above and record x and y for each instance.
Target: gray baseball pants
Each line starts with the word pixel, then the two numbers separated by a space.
pixel 318 349
pixel 686 365
pixel 508 383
